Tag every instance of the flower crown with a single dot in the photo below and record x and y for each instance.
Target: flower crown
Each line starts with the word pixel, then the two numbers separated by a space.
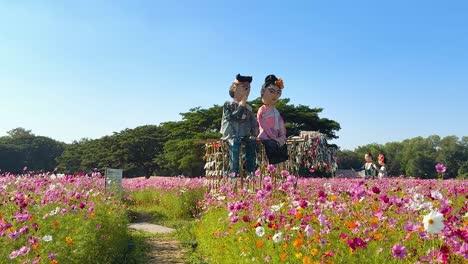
pixel 279 83
pixel 272 80
pixel 381 158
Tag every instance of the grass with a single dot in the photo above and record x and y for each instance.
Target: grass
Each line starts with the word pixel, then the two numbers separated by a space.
pixel 173 209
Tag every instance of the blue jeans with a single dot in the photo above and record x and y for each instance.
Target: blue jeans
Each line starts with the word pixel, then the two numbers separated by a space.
pixel 234 151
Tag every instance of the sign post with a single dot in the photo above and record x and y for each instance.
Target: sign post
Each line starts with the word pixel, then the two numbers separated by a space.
pixel 114 180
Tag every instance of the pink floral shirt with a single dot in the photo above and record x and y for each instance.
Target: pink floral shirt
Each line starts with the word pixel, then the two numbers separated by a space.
pixel 271 124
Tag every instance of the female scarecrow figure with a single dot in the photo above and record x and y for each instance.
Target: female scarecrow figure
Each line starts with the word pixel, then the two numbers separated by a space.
pixel 271 124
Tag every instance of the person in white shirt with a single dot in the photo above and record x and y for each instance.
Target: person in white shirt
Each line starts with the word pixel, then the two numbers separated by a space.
pixel 383 166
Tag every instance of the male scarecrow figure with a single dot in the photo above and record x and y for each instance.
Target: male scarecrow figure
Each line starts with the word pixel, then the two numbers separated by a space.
pixel 239 125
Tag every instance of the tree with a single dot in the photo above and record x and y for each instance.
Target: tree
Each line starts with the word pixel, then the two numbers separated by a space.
pixel 12 158
pixel 20 132
pixel 394 156
pixel 452 154
pixel 348 159
pixel 142 147
pixel 22 148
pixel 463 170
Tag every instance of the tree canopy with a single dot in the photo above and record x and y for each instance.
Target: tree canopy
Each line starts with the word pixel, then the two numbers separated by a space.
pixel 21 148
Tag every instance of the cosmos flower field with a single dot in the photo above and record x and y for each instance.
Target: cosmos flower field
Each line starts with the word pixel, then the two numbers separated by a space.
pixel 393 220
pixel 275 218
pixel 60 219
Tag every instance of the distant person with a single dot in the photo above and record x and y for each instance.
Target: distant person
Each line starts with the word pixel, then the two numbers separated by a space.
pixel 272 129
pixel 383 166
pixel 239 125
pixel 370 170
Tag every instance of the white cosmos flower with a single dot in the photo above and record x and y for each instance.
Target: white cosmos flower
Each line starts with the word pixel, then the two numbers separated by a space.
pixel 54 212
pixel 433 222
pixel 275 208
pixel 278 237
pixel 47 238
pixel 436 195
pixel 418 198
pixel 260 231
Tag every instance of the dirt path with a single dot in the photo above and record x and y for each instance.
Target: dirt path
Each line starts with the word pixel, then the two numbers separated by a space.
pixel 163 249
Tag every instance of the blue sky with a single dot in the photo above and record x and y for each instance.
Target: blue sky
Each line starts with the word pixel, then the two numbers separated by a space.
pixel 385 70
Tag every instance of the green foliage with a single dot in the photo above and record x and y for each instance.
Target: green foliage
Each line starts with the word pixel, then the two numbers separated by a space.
pixel 136 250
pixel 136 151
pixel 177 209
pixel 463 170
pixel 167 207
pixel 348 159
pixel 22 148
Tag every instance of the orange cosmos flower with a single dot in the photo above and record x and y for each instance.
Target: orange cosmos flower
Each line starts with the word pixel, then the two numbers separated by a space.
pixel 259 244
pixel 36 246
pixel 298 243
pixel 351 224
pixel 306 260
pixel 374 220
pixel 316 238
pixel 283 256
pixel 378 236
pixel 69 240
pixel 314 251
pixel 298 215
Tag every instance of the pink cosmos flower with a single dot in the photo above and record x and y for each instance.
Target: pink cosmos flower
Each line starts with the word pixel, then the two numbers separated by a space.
pixel 463 250
pixel 440 168
pixel 356 242
pixel 376 190
pixel 271 168
pixel 399 251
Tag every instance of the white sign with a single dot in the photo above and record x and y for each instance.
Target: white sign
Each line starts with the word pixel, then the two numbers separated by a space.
pixel 114 180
